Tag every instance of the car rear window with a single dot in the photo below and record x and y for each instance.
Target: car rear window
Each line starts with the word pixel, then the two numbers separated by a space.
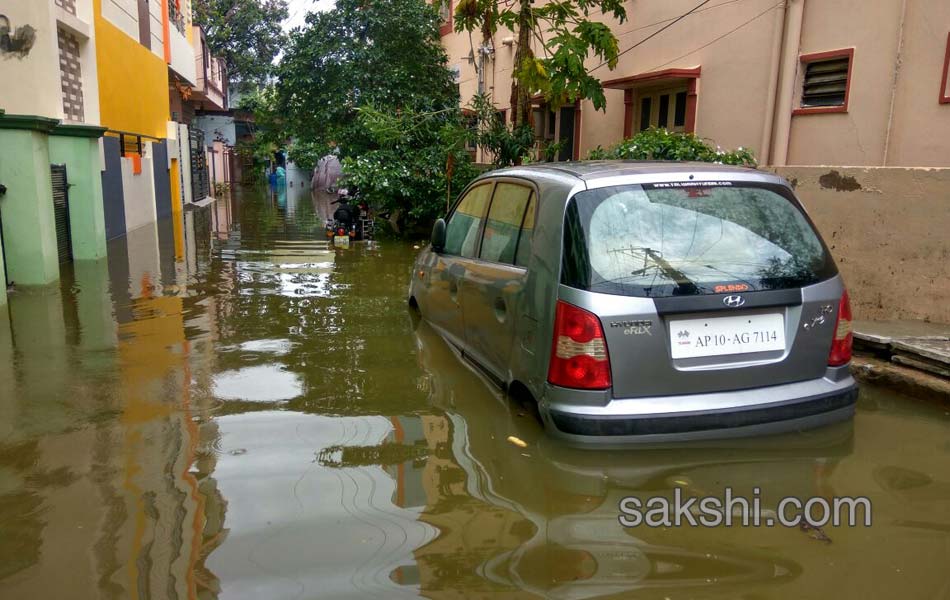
pixel 690 238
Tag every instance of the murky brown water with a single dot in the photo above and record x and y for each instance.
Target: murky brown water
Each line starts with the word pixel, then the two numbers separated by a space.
pixel 225 410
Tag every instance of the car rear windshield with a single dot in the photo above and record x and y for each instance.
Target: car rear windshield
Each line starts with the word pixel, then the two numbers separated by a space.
pixel 690 238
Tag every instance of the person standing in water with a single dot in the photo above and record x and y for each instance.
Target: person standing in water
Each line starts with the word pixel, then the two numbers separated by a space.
pixel 324 182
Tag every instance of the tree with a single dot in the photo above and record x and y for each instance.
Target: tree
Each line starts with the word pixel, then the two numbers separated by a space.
pixel 268 126
pixel 247 34
pixel 372 77
pixel 506 146
pixel 387 55
pixel 567 36
pixel 417 165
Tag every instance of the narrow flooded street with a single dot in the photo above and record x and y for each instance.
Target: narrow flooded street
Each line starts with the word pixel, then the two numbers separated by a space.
pixel 227 409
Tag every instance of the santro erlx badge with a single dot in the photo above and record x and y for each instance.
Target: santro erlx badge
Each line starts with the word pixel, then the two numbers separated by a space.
pixel 733 301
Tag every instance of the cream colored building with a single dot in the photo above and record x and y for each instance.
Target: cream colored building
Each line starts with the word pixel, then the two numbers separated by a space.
pixel 801 82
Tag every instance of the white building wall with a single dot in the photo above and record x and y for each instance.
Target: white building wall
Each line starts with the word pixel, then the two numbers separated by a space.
pixel 124 14
pixel 31 82
pixel 183 56
pixel 139 192
pixel 185 164
pixel 217 128
pixel 155 28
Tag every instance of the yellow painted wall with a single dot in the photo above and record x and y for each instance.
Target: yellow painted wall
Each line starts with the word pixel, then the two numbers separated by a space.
pixel 133 82
pixel 177 219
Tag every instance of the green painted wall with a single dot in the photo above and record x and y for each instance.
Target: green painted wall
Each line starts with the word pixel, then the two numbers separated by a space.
pixel 83 172
pixel 29 227
pixel 97 326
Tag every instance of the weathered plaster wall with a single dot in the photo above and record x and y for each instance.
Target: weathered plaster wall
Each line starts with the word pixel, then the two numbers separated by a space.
pixel 889 231
pixel 31 76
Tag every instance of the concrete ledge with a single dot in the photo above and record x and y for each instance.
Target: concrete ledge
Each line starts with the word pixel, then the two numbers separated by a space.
pixel 28 122
pixel 910 356
pixel 918 384
pixel 200 204
pixel 78 130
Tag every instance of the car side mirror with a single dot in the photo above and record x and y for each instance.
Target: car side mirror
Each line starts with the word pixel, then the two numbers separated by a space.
pixel 438 235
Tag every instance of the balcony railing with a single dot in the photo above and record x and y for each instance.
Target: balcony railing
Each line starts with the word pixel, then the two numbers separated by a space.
pixel 176 16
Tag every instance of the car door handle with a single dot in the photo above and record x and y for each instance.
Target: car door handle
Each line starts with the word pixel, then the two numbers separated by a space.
pixel 454 290
pixel 501 309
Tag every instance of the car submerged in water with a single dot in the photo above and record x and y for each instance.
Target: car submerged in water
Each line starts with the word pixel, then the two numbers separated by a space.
pixel 643 301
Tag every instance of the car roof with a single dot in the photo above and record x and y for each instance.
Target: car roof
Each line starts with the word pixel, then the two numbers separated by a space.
pixel 591 170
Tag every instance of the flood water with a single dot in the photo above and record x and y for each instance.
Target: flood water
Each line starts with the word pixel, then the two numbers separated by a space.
pixel 223 409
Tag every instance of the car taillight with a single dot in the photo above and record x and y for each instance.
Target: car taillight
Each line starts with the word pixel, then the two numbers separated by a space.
pixel 844 339
pixel 579 354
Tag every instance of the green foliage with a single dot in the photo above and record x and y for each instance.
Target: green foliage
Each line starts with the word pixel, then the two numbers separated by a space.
pixel 569 34
pixel 383 54
pixel 268 124
pixel 247 34
pixel 508 145
pixel 418 163
pixel 372 78
pixel 660 144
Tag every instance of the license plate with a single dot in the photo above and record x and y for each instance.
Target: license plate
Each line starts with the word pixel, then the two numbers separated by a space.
pixel 716 336
pixel 341 241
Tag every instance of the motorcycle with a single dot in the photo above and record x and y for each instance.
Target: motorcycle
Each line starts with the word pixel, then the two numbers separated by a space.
pixel 345 227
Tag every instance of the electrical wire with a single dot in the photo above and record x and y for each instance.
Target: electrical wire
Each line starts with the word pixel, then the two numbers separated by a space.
pixel 655 23
pixel 659 31
pixel 727 34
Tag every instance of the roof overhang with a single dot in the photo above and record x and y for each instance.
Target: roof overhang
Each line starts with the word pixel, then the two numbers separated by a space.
pixel 641 79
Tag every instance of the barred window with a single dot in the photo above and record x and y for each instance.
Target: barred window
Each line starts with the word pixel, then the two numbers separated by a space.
pixel 67 5
pixel 70 75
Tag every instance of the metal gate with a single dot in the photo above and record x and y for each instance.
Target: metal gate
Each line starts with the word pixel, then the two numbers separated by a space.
pixel 200 187
pixel 6 271
pixel 64 242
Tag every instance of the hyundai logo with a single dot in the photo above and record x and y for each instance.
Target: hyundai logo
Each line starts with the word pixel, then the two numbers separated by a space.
pixel 733 301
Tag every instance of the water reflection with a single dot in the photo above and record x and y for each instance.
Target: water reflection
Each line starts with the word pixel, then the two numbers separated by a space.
pixel 265 383
pixel 228 409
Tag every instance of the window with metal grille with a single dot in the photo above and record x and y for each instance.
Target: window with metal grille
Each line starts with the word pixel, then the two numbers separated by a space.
pixel 826 80
pixel 445 8
pixel 70 75
pixel 67 5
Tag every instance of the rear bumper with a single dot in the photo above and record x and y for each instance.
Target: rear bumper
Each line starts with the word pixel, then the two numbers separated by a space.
pixel 743 413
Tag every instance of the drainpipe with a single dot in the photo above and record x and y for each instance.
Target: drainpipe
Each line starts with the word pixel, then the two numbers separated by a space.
pixel 778 29
pixel 791 43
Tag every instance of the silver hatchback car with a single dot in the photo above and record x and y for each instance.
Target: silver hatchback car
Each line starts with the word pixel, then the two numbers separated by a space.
pixel 643 302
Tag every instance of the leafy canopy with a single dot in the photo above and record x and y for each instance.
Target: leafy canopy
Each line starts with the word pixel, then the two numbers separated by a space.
pixel 372 78
pixel 387 55
pixel 247 34
pixel 417 165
